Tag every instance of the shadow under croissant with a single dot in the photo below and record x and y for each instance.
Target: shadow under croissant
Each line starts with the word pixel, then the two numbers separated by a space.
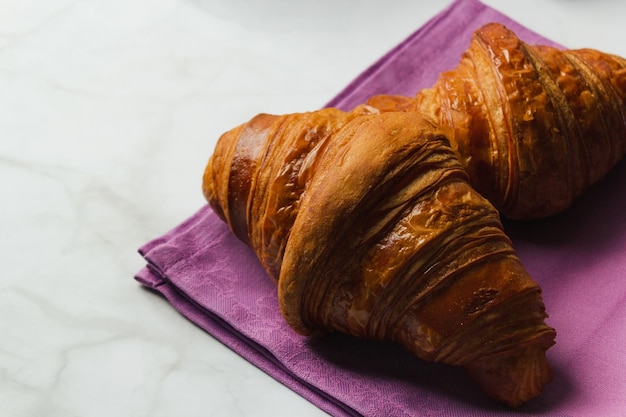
pixel 437 387
pixel 595 219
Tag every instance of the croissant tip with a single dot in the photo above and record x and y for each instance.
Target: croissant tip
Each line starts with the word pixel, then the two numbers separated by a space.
pixel 513 379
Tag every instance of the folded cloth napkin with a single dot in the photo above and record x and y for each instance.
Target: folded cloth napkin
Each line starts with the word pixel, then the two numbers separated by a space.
pixel 579 258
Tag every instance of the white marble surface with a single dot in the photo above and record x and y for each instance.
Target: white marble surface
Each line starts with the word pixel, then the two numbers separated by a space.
pixel 108 112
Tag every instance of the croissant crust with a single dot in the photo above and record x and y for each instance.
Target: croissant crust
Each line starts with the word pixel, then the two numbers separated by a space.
pixel 369 226
pixel 533 125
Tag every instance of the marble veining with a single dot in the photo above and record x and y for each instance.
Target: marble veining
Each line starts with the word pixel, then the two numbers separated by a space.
pixel 108 113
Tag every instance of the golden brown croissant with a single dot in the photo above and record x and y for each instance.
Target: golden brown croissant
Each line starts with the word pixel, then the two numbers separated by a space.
pixel 534 126
pixel 369 226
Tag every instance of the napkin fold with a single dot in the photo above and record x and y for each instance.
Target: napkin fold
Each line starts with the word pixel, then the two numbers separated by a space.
pixel 579 259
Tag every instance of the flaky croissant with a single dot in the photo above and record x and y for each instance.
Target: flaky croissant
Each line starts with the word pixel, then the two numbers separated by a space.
pixel 369 226
pixel 534 126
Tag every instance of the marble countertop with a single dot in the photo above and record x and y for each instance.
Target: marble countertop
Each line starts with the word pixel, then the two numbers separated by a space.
pixel 108 113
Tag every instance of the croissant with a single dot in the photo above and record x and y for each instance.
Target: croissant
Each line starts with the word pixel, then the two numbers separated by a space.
pixel 368 224
pixel 534 126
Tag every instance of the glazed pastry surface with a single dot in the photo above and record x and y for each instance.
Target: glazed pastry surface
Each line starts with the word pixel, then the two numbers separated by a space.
pixel 369 226
pixel 533 126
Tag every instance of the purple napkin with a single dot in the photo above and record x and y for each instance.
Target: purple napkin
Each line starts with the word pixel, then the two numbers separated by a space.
pixel 578 257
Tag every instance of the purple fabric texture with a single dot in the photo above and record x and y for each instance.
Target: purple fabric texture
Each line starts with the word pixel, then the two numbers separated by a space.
pixel 578 257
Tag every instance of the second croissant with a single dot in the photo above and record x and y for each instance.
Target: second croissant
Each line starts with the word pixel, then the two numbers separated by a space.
pixel 534 126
